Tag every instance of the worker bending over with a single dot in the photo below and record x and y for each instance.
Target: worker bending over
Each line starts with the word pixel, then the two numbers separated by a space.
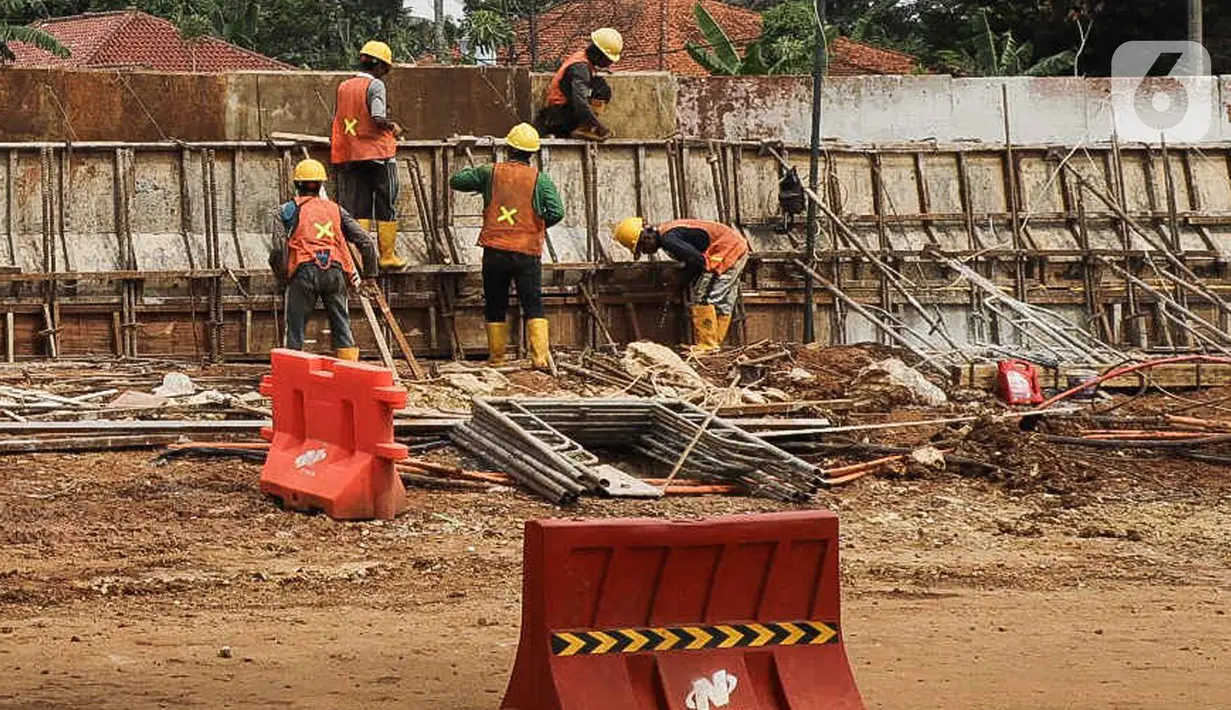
pixel 519 204
pixel 568 106
pixel 714 256
pixel 316 261
pixel 363 146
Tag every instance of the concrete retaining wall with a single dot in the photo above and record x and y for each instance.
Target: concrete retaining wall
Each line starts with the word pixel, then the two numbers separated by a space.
pixel 898 109
pixel 432 102
pixel 437 102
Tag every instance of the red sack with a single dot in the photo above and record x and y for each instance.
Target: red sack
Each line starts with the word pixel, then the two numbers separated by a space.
pixel 1017 382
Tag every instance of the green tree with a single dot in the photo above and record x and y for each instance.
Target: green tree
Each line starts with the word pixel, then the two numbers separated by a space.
pixel 788 32
pixel 991 54
pixel 15 30
pixel 488 30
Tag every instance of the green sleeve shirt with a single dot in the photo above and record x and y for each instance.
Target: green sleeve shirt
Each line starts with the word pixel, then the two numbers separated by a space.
pixel 547 202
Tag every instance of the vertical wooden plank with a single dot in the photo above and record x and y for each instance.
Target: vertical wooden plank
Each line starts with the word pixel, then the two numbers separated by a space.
pixel 10 339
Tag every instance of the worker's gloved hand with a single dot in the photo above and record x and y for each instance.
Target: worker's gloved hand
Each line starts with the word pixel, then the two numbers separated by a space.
pixel 397 129
pixel 592 132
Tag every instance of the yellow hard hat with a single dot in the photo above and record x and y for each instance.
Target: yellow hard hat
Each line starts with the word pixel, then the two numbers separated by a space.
pixel 378 50
pixel 609 41
pixel 310 171
pixel 523 137
pixel 628 232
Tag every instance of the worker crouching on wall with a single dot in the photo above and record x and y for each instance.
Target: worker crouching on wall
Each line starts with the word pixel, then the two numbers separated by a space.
pixel 714 256
pixel 519 204
pixel 315 260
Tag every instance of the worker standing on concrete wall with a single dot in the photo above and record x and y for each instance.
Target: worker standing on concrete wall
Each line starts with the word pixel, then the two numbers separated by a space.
pixel 519 204
pixel 714 256
pixel 363 146
pixel 316 260
pixel 568 111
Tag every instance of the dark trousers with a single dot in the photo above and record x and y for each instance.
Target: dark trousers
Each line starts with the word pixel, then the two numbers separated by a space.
pixel 309 283
pixel 556 121
pixel 502 268
pixel 368 189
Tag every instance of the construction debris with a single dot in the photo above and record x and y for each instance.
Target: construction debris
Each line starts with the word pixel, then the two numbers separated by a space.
pixel 546 444
pixel 175 384
pixel 893 373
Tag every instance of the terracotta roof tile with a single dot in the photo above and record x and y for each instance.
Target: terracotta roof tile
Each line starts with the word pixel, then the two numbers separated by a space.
pixel 133 39
pixel 851 58
pixel 656 31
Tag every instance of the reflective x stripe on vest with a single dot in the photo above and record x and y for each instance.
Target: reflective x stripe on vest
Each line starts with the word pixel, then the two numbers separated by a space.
pixel 355 135
pixel 318 237
pixel 726 247
pixel 509 220
pixel 555 92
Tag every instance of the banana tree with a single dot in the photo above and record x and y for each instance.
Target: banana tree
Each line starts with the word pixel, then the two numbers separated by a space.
pixel 21 33
pixel 719 55
pixel 1003 55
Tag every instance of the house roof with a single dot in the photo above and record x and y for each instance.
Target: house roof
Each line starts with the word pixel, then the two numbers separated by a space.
pixel 133 39
pixel 850 58
pixel 656 32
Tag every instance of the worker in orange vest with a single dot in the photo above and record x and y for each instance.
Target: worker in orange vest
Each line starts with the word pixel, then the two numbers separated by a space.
pixel 714 256
pixel 363 146
pixel 315 260
pixel 568 111
pixel 519 204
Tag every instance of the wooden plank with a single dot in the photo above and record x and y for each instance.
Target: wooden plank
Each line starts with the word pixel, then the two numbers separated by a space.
pixel 398 334
pixel 92 443
pixel 184 426
pixel 381 344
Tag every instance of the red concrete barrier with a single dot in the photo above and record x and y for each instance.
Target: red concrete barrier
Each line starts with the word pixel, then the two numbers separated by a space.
pixel 331 443
pixel 735 613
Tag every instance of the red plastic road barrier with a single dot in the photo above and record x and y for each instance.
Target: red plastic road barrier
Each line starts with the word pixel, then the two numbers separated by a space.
pixel 331 444
pixel 735 613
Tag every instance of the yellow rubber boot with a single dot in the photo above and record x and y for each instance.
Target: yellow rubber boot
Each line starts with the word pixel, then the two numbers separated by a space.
pixel 724 325
pixel 704 328
pixel 351 354
pixel 366 224
pixel 387 235
pixel 497 342
pixel 536 332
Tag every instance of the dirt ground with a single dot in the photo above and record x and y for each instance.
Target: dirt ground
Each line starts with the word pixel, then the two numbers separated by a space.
pixel 126 582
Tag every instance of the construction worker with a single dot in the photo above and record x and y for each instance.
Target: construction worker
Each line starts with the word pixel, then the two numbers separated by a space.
pixel 363 146
pixel 315 260
pixel 519 204
pixel 714 256
pixel 568 110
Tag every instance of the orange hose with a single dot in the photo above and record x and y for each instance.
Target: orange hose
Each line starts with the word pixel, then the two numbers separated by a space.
pixel 706 489
pixel 1112 374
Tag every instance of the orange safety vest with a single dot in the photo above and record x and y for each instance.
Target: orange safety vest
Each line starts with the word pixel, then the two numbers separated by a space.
pixel 355 135
pixel 727 246
pixel 318 237
pixel 555 94
pixel 509 220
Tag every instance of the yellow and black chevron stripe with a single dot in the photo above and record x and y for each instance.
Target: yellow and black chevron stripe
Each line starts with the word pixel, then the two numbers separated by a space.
pixel 693 638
